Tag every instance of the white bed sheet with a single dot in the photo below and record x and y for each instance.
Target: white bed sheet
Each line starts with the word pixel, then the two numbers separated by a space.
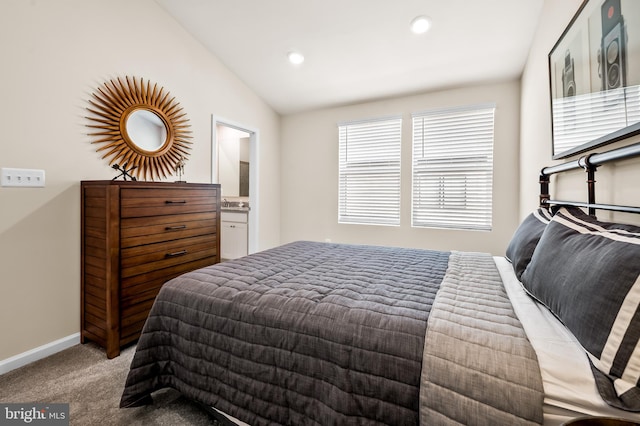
pixel 569 387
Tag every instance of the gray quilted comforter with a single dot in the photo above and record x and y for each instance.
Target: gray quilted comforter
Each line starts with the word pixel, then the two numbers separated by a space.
pixel 308 334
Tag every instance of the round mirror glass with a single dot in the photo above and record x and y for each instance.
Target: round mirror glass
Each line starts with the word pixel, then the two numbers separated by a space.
pixel 146 130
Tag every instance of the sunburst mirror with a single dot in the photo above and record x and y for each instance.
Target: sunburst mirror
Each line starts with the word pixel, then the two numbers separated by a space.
pixel 141 129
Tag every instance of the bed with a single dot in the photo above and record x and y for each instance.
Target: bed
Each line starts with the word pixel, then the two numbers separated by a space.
pixel 315 333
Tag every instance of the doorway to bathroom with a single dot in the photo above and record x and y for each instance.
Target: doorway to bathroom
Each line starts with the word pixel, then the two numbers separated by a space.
pixel 235 167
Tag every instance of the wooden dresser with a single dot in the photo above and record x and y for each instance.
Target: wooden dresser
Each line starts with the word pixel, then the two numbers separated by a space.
pixel 135 237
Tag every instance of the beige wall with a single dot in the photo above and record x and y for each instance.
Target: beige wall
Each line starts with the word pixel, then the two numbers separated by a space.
pixel 54 54
pixel 614 184
pixel 309 177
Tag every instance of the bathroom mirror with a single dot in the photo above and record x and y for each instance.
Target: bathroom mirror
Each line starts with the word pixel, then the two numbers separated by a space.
pixel 139 127
pixel 233 161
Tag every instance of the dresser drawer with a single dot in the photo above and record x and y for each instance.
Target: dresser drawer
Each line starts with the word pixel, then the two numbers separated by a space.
pixel 137 294
pixel 155 229
pixel 131 287
pixel 143 202
pixel 144 259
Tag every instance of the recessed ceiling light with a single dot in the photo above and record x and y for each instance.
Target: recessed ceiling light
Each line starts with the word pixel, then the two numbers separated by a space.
pixel 420 24
pixel 295 58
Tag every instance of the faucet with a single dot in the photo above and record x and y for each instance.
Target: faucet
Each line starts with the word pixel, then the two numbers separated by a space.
pixel 225 203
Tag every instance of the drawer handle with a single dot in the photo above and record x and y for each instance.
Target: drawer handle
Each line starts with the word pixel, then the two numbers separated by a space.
pixel 176 253
pixel 176 202
pixel 174 228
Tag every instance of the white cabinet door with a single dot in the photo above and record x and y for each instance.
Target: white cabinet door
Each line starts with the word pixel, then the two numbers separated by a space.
pixel 234 240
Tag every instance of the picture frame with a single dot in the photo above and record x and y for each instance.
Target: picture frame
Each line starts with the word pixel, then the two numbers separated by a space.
pixel 594 77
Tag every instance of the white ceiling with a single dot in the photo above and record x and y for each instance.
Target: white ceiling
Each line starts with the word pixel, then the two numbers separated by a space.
pixel 360 50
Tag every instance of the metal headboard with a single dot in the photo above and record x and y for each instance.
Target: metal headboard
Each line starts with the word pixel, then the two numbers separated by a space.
pixel 589 163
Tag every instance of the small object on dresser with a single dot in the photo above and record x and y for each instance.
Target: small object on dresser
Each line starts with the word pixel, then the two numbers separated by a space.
pixel 180 170
pixel 124 172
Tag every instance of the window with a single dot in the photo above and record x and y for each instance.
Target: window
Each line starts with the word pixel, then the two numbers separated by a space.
pixel 453 168
pixel 369 172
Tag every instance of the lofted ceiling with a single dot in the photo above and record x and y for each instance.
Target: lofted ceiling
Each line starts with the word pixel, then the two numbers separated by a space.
pixel 360 50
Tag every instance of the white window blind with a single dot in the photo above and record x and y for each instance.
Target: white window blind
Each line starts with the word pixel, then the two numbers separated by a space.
pixel 369 172
pixel 453 168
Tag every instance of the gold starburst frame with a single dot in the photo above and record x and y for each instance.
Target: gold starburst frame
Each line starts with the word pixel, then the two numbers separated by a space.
pixel 112 105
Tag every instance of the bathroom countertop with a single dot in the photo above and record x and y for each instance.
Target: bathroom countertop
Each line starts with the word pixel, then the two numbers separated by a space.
pixel 235 209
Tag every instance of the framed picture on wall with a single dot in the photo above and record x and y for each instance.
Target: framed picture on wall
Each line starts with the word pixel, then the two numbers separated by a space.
pixel 594 71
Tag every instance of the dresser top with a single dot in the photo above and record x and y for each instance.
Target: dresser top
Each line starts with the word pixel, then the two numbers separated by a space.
pixel 147 184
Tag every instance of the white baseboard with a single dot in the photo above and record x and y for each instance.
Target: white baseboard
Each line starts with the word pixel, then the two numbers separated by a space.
pixel 40 352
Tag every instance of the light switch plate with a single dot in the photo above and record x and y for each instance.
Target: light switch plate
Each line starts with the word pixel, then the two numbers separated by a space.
pixel 22 177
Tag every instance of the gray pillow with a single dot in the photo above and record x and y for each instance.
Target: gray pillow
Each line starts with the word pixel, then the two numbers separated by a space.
pixel 526 238
pixel 587 272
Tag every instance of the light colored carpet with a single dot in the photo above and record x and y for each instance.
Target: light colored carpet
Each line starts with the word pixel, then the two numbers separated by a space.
pixel 92 385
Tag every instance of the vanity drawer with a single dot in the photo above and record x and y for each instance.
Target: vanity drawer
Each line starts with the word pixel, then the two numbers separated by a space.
pixel 143 202
pixel 240 217
pixel 147 258
pixel 149 230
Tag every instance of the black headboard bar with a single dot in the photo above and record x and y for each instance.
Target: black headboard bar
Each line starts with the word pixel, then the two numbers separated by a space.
pixel 589 163
pixel 595 160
